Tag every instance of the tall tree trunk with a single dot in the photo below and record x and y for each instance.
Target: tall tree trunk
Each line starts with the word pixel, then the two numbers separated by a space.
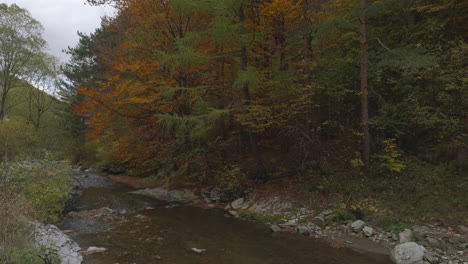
pixel 260 171
pixel 364 86
pixel 3 95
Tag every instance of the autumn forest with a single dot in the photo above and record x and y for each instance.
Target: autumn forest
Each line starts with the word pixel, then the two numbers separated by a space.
pixel 343 110
pixel 272 89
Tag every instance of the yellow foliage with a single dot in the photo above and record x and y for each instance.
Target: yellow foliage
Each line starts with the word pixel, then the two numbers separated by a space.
pixel 257 117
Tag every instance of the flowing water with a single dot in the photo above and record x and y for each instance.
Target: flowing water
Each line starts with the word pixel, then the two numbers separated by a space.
pixel 147 231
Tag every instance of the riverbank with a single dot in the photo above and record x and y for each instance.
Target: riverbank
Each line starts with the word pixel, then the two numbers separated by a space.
pixel 31 192
pixel 285 213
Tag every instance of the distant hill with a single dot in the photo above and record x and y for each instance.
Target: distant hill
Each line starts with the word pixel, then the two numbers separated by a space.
pixel 23 103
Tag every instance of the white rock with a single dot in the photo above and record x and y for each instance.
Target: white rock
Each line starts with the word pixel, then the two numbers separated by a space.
pixel 358 225
pixel 93 250
pixel 233 213
pixel 368 231
pixel 237 203
pixel 408 253
pixel 198 250
pixel 405 236
pixel 292 222
pixel 51 237
pixel 275 228
pixel 303 230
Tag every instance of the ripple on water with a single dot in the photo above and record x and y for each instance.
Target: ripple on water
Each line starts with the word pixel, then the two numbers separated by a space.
pixel 86 225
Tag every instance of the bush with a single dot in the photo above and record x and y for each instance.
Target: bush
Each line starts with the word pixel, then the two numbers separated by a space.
pixel 341 214
pixel 18 139
pixel 29 191
pixel 232 177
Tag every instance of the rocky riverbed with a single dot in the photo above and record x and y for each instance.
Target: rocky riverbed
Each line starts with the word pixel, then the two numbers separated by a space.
pixel 116 225
pixel 424 244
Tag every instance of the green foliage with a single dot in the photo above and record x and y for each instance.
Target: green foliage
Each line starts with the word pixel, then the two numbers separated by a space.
pixel 243 84
pixel 391 159
pixel 341 214
pixel 31 255
pixel 394 224
pixel 45 185
pixel 232 177
pixel 30 191
pixel 18 139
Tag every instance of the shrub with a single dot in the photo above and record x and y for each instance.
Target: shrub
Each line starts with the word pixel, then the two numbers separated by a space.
pixel 32 190
pixel 18 139
pixel 232 177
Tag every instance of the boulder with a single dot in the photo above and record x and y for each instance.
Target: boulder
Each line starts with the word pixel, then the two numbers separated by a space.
pixel 318 221
pixel 358 225
pixel 52 238
pixel 237 203
pixel 215 194
pixel 408 253
pixel 432 242
pixel 233 213
pixel 368 231
pixel 405 236
pixel 292 222
pixel 275 228
pixel 304 230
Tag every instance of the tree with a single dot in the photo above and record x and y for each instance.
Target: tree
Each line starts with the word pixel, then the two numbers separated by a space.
pixel 364 88
pixel 21 46
pixel 42 84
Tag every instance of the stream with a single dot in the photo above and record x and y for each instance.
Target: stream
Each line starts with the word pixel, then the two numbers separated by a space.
pixel 144 230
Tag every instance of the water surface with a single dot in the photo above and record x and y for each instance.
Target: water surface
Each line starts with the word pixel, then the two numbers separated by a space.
pixel 150 231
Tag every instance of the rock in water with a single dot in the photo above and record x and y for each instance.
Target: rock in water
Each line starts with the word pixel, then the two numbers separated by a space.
pixel 304 230
pixel 275 228
pixel 198 250
pixel 408 253
pixel 50 237
pixel 92 250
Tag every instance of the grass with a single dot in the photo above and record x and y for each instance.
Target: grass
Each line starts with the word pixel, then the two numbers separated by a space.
pixel 29 192
pixel 420 193
pixel 394 224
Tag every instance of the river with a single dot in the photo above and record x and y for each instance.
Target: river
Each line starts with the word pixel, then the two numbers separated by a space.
pixel 146 230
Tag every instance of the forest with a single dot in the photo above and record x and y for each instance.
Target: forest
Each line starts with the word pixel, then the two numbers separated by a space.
pixel 360 105
pixel 342 98
pixel 345 96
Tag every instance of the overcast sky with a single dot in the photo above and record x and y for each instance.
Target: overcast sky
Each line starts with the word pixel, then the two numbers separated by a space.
pixel 62 19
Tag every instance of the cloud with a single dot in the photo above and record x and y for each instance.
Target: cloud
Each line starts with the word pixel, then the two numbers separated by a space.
pixel 62 19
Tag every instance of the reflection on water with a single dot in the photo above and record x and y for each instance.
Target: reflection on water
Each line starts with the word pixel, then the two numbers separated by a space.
pixel 148 232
